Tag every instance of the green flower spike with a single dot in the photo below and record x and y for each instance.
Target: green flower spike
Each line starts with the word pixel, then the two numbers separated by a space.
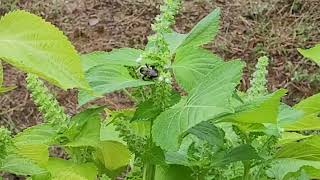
pixel 47 104
pixel 259 80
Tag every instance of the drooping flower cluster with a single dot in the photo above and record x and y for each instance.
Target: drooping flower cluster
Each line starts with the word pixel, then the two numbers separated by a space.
pixel 259 80
pixel 47 104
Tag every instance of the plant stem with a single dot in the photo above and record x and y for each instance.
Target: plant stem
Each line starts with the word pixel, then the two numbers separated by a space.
pixel 246 171
pixel 149 171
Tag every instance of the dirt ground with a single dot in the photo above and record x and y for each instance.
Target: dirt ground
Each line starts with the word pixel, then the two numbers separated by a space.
pixel 250 28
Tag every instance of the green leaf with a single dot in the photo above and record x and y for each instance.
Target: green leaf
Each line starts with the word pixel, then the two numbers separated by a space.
pixel 301 174
pixel 38 153
pixel 39 134
pixel 68 175
pixel 36 46
pixel 141 128
pixel 204 31
pixel 312 53
pixel 113 155
pixel 288 115
pixel 123 56
pixel 208 100
pixel 191 65
pixel 311 171
pixel 282 167
pixel 106 79
pixel 208 132
pixel 20 166
pixel 147 110
pixel 85 130
pixel 155 155
pixel 310 119
pixel 112 150
pixel 174 40
pixel 181 156
pixel 242 152
pixel 307 149
pixel 57 167
pixel 261 110
pixel 109 133
pixel 173 172
pixel 289 137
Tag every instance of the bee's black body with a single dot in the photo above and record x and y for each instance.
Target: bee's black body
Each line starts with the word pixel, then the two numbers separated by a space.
pixel 148 72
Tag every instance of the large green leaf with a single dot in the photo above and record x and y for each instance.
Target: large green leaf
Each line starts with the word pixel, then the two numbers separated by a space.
pixel 289 137
pixel 280 168
pixel 39 134
pixel 38 153
pixel 36 46
pixel 310 119
pixel 57 166
pixel 208 100
pixel 288 115
pixel 20 166
pixel 191 65
pixel 85 128
pixel 174 40
pixel 261 110
pixel 113 154
pixel 108 78
pixel 312 53
pixel 123 56
pixel 307 149
pixel 204 31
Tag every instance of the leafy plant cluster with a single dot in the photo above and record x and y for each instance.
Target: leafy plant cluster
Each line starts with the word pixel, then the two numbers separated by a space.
pixel 207 130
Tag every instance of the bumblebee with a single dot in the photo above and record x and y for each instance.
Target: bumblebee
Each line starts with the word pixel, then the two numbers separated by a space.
pixel 148 72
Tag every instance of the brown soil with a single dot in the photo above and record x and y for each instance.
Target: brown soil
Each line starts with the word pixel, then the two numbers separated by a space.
pixel 250 28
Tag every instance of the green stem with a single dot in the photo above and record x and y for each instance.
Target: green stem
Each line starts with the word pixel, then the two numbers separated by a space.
pixel 149 171
pixel 246 171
